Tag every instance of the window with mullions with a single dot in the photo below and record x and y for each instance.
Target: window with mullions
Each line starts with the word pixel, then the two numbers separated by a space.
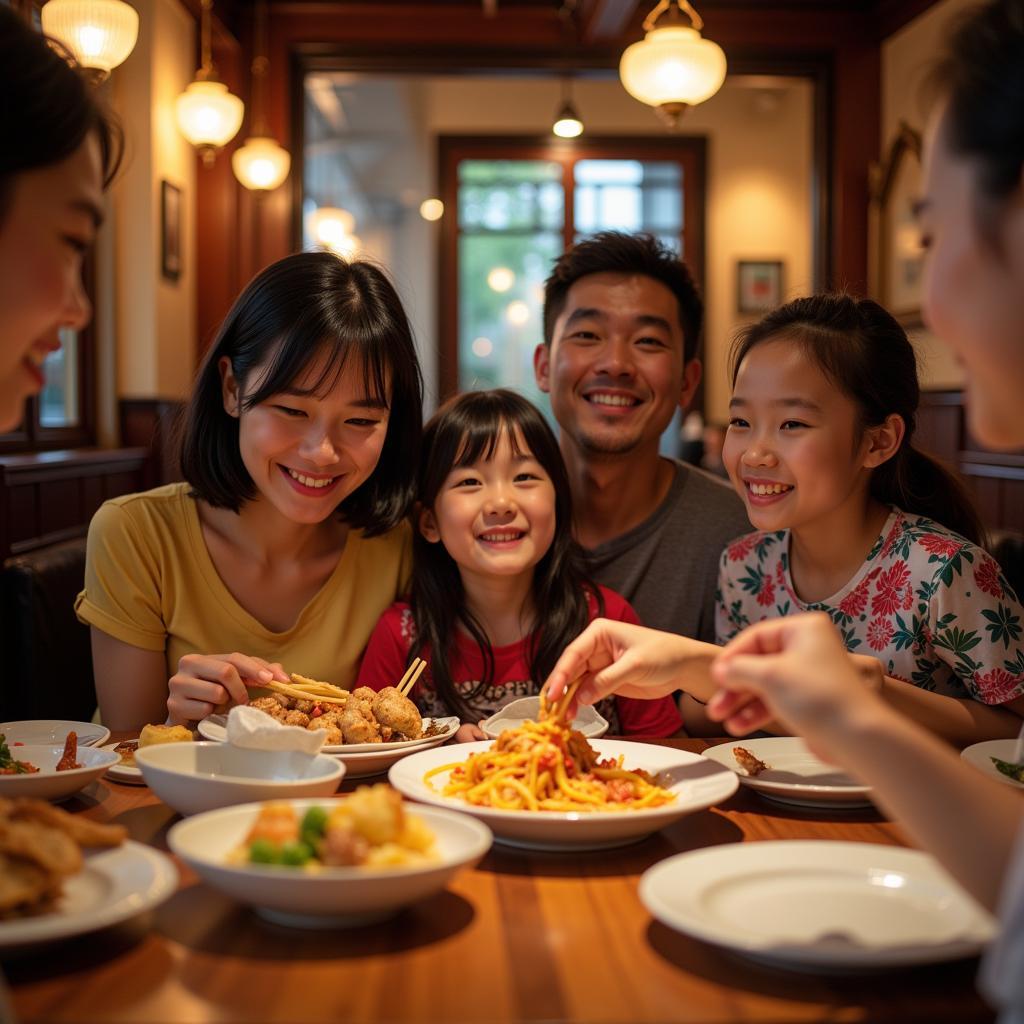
pixel 518 205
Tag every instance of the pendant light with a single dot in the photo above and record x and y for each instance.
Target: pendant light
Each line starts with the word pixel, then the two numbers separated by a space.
pixel 99 33
pixel 260 163
pixel 673 67
pixel 567 123
pixel 208 115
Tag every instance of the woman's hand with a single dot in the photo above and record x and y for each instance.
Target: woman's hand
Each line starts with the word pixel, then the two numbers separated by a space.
pixel 469 733
pixel 794 669
pixel 619 657
pixel 203 682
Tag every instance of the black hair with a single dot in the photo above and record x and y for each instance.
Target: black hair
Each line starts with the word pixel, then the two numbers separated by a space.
pixel 301 307
pixel 866 354
pixel 49 107
pixel 982 78
pixel 615 252
pixel 467 428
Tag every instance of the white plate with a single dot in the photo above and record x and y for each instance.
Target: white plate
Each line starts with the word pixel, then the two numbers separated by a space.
pixel 513 714
pixel 817 905
pixel 696 782
pixel 123 772
pixel 981 754
pixel 48 783
pixel 796 776
pixel 214 728
pixel 49 731
pixel 330 897
pixel 113 885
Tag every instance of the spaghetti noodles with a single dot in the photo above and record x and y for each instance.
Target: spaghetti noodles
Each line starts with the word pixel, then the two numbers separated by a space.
pixel 545 766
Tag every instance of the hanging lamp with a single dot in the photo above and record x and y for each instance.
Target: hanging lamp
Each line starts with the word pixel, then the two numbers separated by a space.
pixel 567 124
pixel 99 33
pixel 208 115
pixel 673 67
pixel 260 163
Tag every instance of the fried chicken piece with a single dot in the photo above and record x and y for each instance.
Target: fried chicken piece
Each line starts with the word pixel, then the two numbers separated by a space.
pixel 53 850
pixel 329 726
pixel 398 713
pixel 24 885
pixel 271 705
pixel 83 831
pixel 750 764
pixel 295 718
pixel 357 723
pixel 68 759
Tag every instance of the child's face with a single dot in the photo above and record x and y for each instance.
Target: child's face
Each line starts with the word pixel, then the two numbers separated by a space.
pixel 495 517
pixel 306 453
pixel 792 449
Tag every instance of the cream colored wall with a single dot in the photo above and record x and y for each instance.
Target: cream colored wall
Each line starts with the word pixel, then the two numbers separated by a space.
pixel 154 317
pixel 906 59
pixel 758 176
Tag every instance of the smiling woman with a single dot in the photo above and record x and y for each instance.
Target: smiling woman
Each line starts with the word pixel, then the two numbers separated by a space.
pixel 287 539
pixel 60 149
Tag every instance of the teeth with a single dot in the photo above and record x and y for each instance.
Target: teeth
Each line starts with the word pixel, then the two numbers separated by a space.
pixel 621 400
pixel 497 538
pixel 308 481
pixel 764 489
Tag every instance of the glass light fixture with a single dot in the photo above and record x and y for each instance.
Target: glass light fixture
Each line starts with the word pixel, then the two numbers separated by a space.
pixel 208 115
pixel 673 67
pixel 567 123
pixel 331 227
pixel 260 163
pixel 431 209
pixel 99 33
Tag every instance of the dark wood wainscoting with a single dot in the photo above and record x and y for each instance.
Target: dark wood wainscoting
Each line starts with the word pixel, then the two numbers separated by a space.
pixel 996 479
pixel 51 496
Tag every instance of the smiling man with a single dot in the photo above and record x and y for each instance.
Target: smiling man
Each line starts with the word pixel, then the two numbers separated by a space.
pixel 622 322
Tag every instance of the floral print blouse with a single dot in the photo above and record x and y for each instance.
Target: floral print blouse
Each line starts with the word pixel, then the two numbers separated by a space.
pixel 933 608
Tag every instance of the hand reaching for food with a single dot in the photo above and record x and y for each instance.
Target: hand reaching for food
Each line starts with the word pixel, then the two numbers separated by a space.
pixel 206 682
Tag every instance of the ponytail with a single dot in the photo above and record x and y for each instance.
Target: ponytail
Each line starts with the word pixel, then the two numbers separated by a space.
pixel 866 354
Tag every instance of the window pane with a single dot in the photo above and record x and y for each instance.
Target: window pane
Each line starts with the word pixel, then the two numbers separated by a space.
pixel 629 195
pixel 58 402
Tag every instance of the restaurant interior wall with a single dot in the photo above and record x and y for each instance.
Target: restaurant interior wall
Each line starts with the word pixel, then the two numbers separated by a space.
pixel 759 178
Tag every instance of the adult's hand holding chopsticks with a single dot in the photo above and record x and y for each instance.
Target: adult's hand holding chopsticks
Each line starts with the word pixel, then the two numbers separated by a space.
pixel 204 682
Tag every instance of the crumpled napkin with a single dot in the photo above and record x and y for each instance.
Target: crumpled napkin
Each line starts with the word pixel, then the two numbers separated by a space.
pixel 255 730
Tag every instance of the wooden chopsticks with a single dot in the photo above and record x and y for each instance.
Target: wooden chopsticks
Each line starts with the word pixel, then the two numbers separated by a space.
pixel 412 674
pixel 302 688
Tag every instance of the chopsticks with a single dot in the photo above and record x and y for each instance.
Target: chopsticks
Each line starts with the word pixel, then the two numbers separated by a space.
pixel 412 674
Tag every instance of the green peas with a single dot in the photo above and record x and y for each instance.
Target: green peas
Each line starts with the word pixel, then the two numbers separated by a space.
pixel 296 854
pixel 314 823
pixel 263 851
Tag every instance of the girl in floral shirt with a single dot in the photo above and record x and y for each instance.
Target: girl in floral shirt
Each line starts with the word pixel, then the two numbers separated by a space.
pixel 848 513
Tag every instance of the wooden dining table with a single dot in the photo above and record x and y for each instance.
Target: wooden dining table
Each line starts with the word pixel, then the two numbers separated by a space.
pixel 524 936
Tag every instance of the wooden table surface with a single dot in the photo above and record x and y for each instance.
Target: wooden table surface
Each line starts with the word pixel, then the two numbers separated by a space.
pixel 523 937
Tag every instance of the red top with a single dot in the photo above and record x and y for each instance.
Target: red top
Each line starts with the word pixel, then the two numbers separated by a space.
pixel 387 656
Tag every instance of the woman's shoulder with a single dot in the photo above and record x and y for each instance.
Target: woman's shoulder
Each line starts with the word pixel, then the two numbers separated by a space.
pixel 909 535
pixel 160 509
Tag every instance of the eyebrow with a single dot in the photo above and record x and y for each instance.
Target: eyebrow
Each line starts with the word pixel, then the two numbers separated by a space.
pixel 359 403
pixel 593 313
pixel 90 209
pixel 786 403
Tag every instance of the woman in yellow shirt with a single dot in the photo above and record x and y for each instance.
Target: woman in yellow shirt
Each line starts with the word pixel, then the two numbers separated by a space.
pixel 288 537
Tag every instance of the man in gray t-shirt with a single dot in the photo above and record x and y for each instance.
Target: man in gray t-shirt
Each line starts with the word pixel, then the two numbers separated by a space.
pixel 622 320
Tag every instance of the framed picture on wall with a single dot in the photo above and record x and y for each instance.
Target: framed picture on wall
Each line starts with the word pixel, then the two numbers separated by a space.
pixel 170 230
pixel 899 257
pixel 758 285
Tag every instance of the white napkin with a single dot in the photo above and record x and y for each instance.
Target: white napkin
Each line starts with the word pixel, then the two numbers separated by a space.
pixel 256 730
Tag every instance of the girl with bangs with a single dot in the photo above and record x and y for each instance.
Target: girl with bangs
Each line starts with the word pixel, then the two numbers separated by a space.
pixel 498 586
pixel 287 538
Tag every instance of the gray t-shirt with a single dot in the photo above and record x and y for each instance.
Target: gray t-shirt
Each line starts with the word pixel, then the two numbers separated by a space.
pixel 667 567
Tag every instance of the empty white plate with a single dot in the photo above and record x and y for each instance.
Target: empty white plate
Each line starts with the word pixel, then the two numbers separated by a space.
pixel 981 754
pixel 816 905
pixel 794 775
pixel 47 732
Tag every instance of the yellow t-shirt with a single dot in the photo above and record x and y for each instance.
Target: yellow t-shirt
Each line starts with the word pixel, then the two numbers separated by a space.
pixel 150 582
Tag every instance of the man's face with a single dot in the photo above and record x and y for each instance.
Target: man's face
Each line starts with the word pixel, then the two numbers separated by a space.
pixel 615 369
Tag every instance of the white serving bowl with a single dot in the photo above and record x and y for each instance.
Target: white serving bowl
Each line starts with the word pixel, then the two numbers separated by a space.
pixel 513 714
pixel 330 897
pixel 195 777
pixel 48 783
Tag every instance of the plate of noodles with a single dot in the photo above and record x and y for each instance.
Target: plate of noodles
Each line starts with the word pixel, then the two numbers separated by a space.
pixel 546 787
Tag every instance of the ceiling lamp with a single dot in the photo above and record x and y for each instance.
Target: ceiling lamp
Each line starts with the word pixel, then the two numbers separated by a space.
pixel 673 67
pixel 260 163
pixel 567 123
pixel 208 115
pixel 99 33
pixel 330 226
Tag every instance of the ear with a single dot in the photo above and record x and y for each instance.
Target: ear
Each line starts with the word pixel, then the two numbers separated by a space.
pixel 881 443
pixel 692 373
pixel 542 367
pixel 428 525
pixel 230 392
